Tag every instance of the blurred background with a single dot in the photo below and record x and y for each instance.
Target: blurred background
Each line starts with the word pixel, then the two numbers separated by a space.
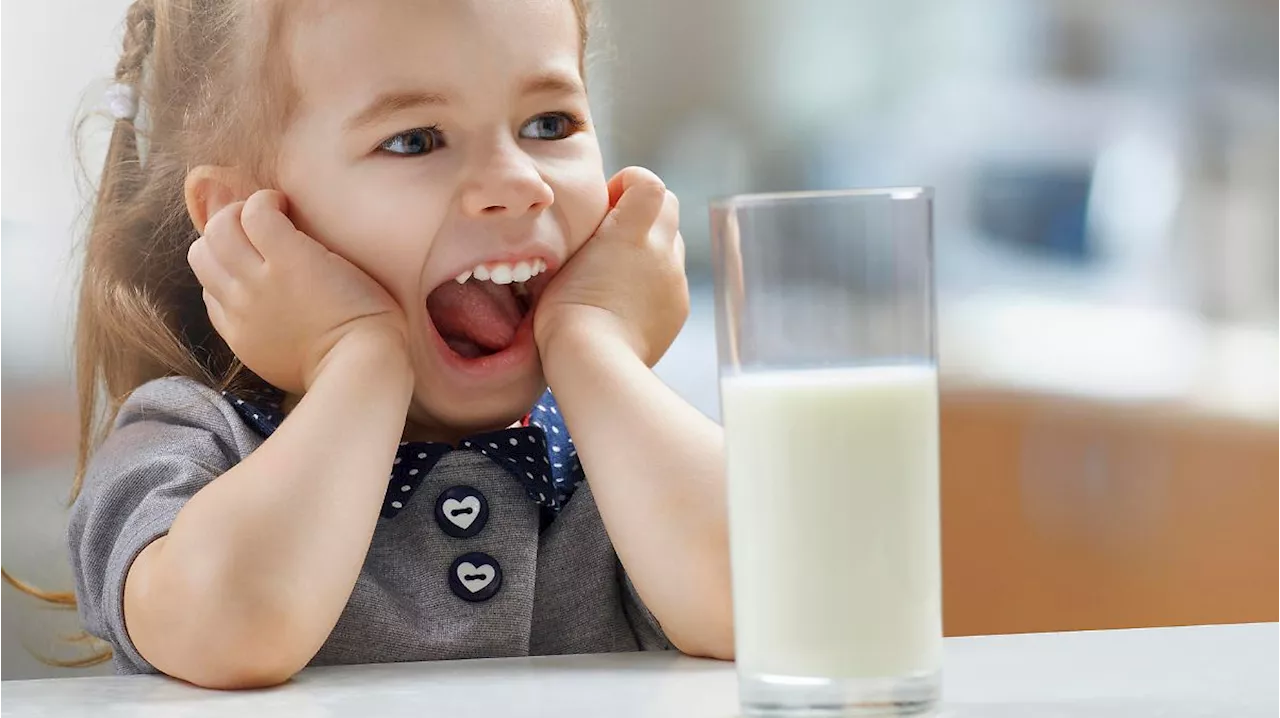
pixel 1106 228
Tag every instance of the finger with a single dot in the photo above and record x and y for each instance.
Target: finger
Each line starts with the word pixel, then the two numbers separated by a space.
pixel 641 201
pixel 225 220
pixel 679 249
pixel 208 270
pixel 668 223
pixel 217 315
pixel 229 243
pixel 629 177
pixel 266 223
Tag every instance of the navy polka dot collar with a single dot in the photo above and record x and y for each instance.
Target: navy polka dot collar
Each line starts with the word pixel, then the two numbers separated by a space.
pixel 539 454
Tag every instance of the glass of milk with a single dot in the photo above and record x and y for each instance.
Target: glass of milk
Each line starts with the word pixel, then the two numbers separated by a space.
pixel 829 396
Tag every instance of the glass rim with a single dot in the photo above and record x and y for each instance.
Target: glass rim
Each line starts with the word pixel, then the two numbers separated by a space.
pixel 729 202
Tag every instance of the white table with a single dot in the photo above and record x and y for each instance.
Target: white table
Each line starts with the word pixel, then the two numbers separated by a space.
pixel 1166 672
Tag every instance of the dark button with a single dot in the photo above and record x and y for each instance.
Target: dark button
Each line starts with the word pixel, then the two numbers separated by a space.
pixel 475 577
pixel 462 511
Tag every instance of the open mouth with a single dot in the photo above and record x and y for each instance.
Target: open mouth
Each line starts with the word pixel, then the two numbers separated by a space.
pixel 482 312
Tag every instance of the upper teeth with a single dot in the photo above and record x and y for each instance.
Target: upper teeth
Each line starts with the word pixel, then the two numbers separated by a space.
pixel 504 273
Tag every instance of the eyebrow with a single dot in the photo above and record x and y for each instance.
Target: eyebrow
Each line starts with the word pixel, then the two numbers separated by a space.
pixel 389 103
pixel 551 83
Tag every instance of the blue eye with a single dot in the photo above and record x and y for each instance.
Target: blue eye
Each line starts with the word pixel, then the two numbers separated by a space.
pixel 551 126
pixel 421 141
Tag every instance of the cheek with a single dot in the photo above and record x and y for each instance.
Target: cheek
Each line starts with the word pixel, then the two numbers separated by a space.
pixel 382 225
pixel 584 203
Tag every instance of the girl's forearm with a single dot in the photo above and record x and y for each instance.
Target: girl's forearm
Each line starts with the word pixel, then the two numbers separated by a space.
pixel 656 468
pixel 259 564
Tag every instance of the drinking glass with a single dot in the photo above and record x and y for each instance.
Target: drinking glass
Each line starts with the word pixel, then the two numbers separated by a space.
pixel 829 397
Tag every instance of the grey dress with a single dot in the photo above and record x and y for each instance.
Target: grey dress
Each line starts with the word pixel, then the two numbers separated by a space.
pixel 466 560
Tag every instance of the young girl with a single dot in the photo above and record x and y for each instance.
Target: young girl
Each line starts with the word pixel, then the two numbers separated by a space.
pixel 339 251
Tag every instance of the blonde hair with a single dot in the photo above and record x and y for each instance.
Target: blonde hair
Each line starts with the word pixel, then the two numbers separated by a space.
pixel 211 91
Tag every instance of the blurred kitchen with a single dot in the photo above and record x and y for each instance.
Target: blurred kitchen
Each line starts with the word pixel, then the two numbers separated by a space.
pixel 1106 231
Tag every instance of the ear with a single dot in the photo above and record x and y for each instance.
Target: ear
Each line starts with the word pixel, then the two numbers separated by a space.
pixel 209 188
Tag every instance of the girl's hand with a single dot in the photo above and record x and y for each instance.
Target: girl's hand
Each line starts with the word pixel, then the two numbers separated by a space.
pixel 280 299
pixel 628 279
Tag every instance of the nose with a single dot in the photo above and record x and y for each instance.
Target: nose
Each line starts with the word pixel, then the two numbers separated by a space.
pixel 505 183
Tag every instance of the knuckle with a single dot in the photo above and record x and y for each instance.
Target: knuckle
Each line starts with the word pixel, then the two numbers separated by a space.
pixel 235 292
pixel 654 191
pixel 198 260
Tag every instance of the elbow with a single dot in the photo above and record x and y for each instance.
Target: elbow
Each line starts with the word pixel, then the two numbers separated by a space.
pixel 241 671
pixel 240 646
pixel 230 652
pixel 193 630
pixel 710 639
pixel 716 648
pixel 702 628
pixel 227 655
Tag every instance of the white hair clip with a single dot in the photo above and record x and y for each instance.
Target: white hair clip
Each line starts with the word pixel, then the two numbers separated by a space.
pixel 122 101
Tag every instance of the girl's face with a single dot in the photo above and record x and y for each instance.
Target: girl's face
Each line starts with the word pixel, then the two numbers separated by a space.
pixel 440 139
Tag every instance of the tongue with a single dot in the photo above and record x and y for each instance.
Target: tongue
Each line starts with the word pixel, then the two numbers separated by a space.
pixel 475 318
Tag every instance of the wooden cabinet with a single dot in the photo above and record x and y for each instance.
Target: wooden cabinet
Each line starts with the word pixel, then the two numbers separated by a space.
pixel 1067 514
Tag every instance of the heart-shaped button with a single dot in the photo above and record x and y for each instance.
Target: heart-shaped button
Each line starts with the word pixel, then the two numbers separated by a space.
pixel 462 511
pixel 475 577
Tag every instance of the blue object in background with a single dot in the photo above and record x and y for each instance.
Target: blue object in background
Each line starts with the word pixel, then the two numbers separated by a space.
pixel 1043 210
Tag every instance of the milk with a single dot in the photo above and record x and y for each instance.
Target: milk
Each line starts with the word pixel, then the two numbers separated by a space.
pixel 833 509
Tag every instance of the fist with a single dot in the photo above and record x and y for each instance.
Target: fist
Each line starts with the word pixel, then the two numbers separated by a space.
pixel 280 299
pixel 628 279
